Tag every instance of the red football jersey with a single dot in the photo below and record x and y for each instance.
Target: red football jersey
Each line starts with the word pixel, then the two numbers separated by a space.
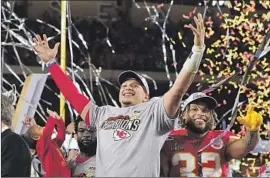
pixel 180 157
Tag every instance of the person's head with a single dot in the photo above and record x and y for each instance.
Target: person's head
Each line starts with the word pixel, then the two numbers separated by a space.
pixel 7 111
pixel 133 89
pixel 86 136
pixel 198 113
pixel 35 132
pixel 31 144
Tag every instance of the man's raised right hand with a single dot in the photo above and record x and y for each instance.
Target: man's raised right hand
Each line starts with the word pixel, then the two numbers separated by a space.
pixel 42 48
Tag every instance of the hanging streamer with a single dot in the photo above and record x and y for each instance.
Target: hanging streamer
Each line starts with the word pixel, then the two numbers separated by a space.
pixel 150 78
pixel 70 39
pixel 228 112
pixel 154 18
pixel 27 43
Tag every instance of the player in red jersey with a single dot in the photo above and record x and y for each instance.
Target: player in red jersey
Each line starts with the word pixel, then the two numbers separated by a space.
pixel 181 154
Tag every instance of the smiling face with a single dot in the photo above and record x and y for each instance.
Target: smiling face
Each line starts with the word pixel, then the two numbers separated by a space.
pixel 132 93
pixel 198 118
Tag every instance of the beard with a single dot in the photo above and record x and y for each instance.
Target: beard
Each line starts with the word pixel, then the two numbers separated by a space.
pixel 127 102
pixel 89 149
pixel 192 127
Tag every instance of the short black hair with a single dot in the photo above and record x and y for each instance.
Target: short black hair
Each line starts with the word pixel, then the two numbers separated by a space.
pixel 30 141
pixel 76 122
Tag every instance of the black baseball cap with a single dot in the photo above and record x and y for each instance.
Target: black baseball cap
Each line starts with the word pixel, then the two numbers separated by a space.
pixel 200 96
pixel 129 74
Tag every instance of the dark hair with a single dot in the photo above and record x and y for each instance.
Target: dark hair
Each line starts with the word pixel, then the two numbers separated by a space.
pixel 30 141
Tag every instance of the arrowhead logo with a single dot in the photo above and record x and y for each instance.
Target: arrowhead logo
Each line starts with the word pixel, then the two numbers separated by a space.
pixel 218 144
pixel 120 134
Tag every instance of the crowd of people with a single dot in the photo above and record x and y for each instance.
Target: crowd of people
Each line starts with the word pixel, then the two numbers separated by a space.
pixel 44 153
pixel 115 141
pixel 141 138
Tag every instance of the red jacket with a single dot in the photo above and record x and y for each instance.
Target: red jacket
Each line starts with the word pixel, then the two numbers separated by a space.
pixel 49 151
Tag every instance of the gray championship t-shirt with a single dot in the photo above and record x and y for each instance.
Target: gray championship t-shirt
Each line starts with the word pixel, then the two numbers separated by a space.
pixel 129 139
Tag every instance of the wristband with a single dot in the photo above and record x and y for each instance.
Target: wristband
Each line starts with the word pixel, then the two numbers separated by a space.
pixel 50 62
pixel 193 61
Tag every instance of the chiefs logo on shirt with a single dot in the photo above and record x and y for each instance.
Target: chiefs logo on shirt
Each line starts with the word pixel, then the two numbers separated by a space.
pixel 120 134
pixel 217 144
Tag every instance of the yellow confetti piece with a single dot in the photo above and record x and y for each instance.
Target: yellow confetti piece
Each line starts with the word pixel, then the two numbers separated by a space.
pixel 184 45
pixel 210 50
pixel 236 8
pixel 217 55
pixel 265 3
pixel 180 36
pixel 266 16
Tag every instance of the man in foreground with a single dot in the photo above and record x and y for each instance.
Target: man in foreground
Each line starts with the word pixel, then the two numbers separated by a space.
pixel 139 128
pixel 181 155
pixel 15 155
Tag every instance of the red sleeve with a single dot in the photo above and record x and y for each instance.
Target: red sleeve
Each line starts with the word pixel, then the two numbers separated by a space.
pixel 65 85
pixel 48 129
pixel 46 137
pixel 60 137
